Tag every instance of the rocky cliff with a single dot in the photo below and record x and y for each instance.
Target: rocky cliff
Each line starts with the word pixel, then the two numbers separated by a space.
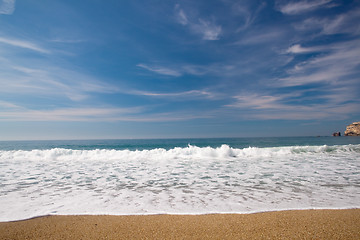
pixel 353 129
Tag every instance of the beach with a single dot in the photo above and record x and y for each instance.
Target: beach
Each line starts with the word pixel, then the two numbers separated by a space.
pixel 181 189
pixel 294 224
pixel 180 119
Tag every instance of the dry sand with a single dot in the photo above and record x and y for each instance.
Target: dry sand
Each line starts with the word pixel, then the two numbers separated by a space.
pixel 303 224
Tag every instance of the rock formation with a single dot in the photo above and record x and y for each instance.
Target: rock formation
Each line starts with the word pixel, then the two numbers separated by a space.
pixel 336 134
pixel 353 129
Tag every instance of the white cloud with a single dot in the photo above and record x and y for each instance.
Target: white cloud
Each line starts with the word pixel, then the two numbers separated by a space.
pixel 207 29
pixel 181 16
pixel 330 76
pixel 245 14
pixel 5 104
pixel 257 101
pixel 298 49
pixel 197 70
pixel 161 70
pixel 337 64
pixel 67 114
pixel 67 40
pixel 93 114
pixel 342 23
pixel 49 81
pixel 254 38
pixel 299 7
pixel 248 16
pixel 289 106
pixel 28 70
pixel 7 7
pixel 177 95
pixel 23 44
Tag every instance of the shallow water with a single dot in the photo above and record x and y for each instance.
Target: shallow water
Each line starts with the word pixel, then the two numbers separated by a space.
pixel 178 176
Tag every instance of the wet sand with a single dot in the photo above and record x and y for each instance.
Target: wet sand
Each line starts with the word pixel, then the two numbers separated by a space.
pixel 302 224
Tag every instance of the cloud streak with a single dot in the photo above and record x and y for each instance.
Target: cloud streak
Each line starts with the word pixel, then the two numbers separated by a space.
pixel 15 113
pixel 341 23
pixel 298 49
pixel 241 9
pixel 160 70
pixel 290 106
pixel 217 69
pixel 181 16
pixel 7 7
pixel 263 37
pixel 50 81
pixel 178 95
pixel 339 63
pixel 67 114
pixel 23 44
pixel 207 29
pixel 299 7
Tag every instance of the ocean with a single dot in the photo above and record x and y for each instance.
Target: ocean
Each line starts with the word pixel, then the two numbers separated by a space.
pixel 177 176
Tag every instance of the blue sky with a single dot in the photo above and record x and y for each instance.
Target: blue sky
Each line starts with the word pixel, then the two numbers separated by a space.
pixel 153 69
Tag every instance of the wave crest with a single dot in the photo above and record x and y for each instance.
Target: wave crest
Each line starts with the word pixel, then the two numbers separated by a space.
pixel 189 152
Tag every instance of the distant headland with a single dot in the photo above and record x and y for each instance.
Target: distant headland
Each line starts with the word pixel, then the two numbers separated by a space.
pixel 353 129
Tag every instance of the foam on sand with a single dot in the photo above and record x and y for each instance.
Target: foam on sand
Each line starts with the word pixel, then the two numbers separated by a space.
pixel 310 224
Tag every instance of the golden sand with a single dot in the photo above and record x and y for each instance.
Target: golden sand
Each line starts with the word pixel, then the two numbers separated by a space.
pixel 302 224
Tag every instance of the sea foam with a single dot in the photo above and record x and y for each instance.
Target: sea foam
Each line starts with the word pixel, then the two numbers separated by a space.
pixel 193 152
pixel 192 180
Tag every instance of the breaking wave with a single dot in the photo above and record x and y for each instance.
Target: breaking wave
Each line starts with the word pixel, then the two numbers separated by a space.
pixel 181 180
pixel 189 152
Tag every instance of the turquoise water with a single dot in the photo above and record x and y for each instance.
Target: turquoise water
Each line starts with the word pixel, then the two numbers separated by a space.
pixel 141 144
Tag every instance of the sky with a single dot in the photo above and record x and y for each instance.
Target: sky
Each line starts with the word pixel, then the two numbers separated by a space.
pixel 176 69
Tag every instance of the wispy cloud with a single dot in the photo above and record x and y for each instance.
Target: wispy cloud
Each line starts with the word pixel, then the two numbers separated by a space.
pixel 181 16
pixel 68 114
pixel 298 49
pixel 68 40
pixel 7 7
pixel 290 106
pixel 160 70
pixel 333 66
pixel 50 81
pixel 256 101
pixel 207 29
pixel 292 8
pixel 263 37
pixel 341 23
pixel 337 65
pixel 178 95
pixel 4 104
pixel 23 44
pixel 12 112
pixel 219 69
pixel 246 14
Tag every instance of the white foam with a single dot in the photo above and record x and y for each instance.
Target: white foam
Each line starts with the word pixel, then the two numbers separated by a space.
pixel 193 152
pixel 180 180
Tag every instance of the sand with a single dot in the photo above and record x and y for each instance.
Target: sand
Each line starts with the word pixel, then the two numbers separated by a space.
pixel 302 224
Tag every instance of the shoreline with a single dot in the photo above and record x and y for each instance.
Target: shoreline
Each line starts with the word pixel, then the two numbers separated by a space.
pixel 183 214
pixel 298 224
